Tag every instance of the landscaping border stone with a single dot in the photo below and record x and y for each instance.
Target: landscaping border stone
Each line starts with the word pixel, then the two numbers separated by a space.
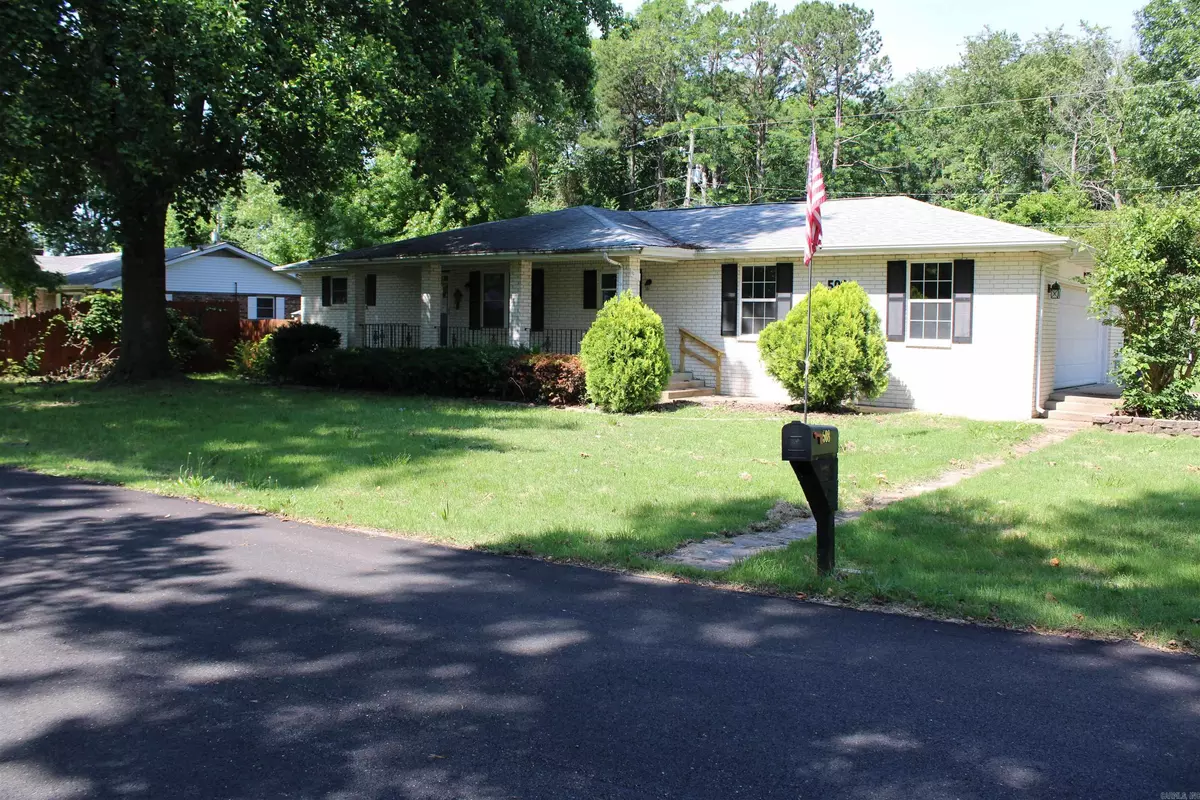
pixel 1170 427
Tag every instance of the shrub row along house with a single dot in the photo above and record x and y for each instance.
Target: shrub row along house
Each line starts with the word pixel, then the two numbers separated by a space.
pixel 983 318
pixel 220 271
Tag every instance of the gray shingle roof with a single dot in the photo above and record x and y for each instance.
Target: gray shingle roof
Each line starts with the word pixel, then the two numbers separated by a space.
pixel 93 268
pixel 896 223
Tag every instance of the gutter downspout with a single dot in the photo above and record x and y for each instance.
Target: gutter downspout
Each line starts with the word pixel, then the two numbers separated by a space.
pixel 1037 384
pixel 607 259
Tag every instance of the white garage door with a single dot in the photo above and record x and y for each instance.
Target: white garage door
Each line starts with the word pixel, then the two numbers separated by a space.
pixel 1081 342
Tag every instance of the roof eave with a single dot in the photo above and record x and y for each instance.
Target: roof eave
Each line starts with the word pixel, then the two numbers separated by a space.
pixel 1065 245
pixel 319 265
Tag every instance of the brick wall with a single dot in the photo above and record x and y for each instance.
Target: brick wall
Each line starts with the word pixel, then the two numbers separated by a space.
pixel 993 377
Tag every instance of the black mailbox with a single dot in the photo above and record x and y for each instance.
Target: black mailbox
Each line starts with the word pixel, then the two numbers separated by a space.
pixel 805 442
pixel 812 452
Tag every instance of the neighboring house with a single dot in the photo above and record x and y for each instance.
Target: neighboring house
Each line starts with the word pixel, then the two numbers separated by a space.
pixel 219 271
pixel 967 303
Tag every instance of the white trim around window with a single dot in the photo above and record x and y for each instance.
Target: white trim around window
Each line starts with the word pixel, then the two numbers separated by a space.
pixel 930 299
pixel 757 299
pixel 608 287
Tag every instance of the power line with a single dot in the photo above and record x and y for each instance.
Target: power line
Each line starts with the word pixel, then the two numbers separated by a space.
pixel 952 193
pixel 913 110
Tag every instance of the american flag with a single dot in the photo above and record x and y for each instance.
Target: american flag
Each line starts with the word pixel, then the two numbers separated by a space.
pixel 816 198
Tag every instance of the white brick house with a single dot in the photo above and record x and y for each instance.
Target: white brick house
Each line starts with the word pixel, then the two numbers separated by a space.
pixel 983 318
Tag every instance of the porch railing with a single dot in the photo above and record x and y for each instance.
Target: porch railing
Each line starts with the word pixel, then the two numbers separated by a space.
pixel 565 341
pixel 470 337
pixel 391 335
pixel 402 335
pixel 692 345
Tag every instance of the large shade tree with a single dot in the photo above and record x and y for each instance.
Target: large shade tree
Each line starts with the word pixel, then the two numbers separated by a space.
pixel 152 104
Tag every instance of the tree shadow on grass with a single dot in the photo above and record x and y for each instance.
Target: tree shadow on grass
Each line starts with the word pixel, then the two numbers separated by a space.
pixel 1111 568
pixel 215 654
pixel 253 435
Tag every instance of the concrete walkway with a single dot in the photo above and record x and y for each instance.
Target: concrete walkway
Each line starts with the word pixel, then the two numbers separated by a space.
pixel 161 648
pixel 722 552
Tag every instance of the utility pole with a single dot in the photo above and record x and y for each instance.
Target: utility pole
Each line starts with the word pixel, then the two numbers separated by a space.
pixel 687 192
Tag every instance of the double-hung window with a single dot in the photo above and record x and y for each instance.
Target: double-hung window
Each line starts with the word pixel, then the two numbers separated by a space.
pixel 608 287
pixel 930 301
pixel 333 291
pixel 758 298
pixel 264 307
pixel 493 300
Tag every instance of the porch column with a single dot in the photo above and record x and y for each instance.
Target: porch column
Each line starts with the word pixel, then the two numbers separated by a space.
pixel 356 307
pixel 431 304
pixel 629 277
pixel 520 285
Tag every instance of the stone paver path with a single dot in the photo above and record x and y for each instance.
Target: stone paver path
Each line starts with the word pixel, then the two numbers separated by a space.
pixel 723 551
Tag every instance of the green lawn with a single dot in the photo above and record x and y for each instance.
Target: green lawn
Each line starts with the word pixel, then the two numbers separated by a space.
pixel 1120 513
pixel 565 484
pixel 1099 534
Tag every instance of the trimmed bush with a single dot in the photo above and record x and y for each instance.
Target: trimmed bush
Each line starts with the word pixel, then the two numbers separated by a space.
pixel 489 371
pixel 446 372
pixel 558 380
pixel 300 339
pixel 253 358
pixel 849 352
pixel 625 356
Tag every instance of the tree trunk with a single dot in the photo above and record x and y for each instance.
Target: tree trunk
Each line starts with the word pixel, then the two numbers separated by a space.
pixel 1112 157
pixel 144 334
pixel 660 178
pixel 837 121
pixel 760 165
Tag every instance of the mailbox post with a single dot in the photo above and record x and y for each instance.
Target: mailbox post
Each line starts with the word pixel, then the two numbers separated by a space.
pixel 812 452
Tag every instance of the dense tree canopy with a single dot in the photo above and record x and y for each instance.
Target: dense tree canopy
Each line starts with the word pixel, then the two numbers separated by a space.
pixel 156 104
pixel 343 123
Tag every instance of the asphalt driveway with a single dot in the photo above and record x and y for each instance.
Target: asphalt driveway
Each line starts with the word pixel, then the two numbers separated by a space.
pixel 161 648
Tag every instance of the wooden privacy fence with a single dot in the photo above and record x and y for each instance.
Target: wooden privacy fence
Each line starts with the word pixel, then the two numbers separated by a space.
pixel 24 335
pixel 218 319
pixel 252 330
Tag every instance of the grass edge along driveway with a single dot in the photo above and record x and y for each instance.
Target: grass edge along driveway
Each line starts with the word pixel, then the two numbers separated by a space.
pixel 1098 535
pixel 580 487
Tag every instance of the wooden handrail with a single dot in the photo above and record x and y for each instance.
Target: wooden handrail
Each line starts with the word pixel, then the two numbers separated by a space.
pixel 686 337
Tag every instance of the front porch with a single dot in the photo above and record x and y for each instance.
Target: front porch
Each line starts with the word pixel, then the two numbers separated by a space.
pixel 546 306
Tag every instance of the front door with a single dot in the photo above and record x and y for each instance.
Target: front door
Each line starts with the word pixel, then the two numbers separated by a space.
pixel 1082 342
pixel 444 322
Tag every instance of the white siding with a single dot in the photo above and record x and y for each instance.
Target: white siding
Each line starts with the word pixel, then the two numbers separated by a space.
pixel 991 378
pixel 227 274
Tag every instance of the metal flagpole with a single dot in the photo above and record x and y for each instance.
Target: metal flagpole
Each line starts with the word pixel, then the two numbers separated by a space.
pixel 808 327
pixel 808 342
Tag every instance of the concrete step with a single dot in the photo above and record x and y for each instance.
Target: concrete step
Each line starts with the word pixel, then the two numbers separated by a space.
pixel 683 376
pixel 1079 406
pixel 1085 397
pixel 679 394
pixel 1071 416
pixel 680 384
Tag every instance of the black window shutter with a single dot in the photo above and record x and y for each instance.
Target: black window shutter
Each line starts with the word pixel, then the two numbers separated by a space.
pixel 964 292
pixel 783 289
pixel 589 288
pixel 370 290
pixel 897 289
pixel 537 301
pixel 474 298
pixel 729 294
pixel 326 289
